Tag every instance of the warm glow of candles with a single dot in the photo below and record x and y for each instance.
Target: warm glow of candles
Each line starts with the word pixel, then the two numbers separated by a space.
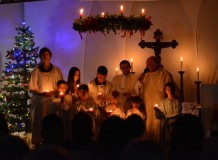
pixel 91 110
pixel 131 63
pixel 121 9
pixel 143 12
pixel 81 12
pixel 102 14
pixel 198 73
pixel 156 105
pixel 77 85
pixel 46 90
pixel 61 93
pixel 116 70
pixel 181 62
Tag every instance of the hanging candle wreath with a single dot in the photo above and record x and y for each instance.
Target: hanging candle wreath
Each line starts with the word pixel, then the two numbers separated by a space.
pixel 118 23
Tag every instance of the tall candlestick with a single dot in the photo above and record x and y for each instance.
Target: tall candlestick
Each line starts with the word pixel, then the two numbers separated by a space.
pixel 116 70
pixel 131 63
pixel 121 9
pixel 143 12
pixel 198 73
pixel 102 14
pixel 181 62
pixel 81 12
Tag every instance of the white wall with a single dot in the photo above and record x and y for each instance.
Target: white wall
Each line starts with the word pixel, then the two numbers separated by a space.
pixel 192 23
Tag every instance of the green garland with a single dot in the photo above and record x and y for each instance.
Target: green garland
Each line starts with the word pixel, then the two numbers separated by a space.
pixel 114 23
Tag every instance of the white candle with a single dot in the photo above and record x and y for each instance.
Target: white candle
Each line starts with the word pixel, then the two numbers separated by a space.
pixel 143 12
pixel 121 9
pixel 181 62
pixel 198 73
pixel 131 63
pixel 102 14
pixel 116 70
pixel 81 12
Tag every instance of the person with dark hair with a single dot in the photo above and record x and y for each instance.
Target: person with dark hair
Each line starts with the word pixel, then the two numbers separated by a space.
pixel 137 107
pixel 4 130
pixel 85 102
pixel 187 138
pixel 169 109
pixel 125 84
pixel 142 150
pixel 100 88
pixel 135 127
pixel 52 130
pixel 73 80
pixel 43 86
pixel 113 107
pixel 112 137
pixel 153 91
pixel 13 147
pixel 62 106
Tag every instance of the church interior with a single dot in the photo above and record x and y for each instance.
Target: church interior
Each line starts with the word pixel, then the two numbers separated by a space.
pixel 191 23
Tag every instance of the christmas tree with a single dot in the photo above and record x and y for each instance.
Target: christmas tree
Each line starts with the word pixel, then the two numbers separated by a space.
pixel 14 93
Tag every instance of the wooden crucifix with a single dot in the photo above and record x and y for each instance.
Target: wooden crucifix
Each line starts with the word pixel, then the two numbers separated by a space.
pixel 158 45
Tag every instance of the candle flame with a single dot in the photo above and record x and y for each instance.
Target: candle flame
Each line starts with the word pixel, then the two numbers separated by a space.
pixel 102 14
pixel 131 59
pixel 181 59
pixel 81 12
pixel 198 70
pixel 143 11
pixel 121 8
pixel 116 68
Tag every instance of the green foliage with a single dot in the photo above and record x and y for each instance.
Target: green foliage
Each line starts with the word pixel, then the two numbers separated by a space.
pixel 14 94
pixel 114 23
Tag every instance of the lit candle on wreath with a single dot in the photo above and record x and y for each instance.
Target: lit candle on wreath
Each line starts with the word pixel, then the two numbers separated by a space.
pixel 81 12
pixel 102 14
pixel 121 9
pixel 143 12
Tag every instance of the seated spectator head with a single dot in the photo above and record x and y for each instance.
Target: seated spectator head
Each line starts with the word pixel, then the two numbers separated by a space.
pixel 82 126
pixel 135 126
pixel 141 150
pixel 4 130
pixel 52 129
pixel 13 147
pixel 187 137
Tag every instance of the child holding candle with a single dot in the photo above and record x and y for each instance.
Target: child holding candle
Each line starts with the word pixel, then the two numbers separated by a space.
pixel 85 102
pixel 170 107
pixel 137 107
pixel 113 107
pixel 62 106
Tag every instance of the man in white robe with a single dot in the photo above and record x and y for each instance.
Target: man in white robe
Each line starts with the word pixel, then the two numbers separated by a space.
pixel 153 90
pixel 125 84
pixel 100 88
pixel 43 85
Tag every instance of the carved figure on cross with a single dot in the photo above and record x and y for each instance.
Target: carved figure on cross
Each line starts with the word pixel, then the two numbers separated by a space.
pixel 158 45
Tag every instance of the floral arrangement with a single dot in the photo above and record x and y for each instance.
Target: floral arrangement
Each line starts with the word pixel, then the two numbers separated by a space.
pixel 112 22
